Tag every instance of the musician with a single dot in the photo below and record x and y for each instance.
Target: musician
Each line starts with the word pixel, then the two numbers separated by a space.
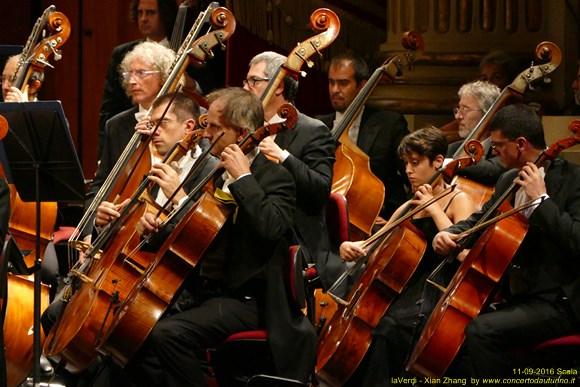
pixel 155 19
pixel 475 99
pixel 498 68
pixel 307 151
pixel 378 133
pixel 573 108
pixel 541 302
pixel 13 94
pixel 250 294
pixel 144 71
pixel 423 153
pixel 178 122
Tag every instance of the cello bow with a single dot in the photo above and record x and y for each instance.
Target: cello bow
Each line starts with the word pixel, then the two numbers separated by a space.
pixel 550 56
pixel 474 283
pixel 394 253
pixel 352 176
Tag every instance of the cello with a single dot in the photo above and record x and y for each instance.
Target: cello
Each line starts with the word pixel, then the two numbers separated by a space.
pixel 352 176
pixel 49 33
pixel 178 256
pixel 547 52
pixel 126 175
pixel 476 281
pixel 393 255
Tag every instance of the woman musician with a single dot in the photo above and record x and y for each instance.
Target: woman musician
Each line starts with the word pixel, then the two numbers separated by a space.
pixel 423 152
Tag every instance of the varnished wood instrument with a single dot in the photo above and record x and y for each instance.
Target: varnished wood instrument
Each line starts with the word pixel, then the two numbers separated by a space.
pixel 393 255
pixel 352 176
pixel 550 55
pixel 475 283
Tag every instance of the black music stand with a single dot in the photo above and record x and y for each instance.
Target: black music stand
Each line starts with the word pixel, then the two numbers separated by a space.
pixel 44 168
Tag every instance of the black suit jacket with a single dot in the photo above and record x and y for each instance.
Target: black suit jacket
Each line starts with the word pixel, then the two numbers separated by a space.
pixel 310 162
pixel 379 137
pixel 486 171
pixel 258 249
pixel 4 212
pixel 115 100
pixel 549 255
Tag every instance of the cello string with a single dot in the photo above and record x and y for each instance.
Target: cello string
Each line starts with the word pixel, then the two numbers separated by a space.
pixel 385 232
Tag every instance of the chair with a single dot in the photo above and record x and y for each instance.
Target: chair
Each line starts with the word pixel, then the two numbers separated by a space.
pixel 244 358
pixel 319 307
pixel 559 353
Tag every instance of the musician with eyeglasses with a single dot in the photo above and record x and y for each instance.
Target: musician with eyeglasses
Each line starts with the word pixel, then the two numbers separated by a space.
pixel 307 151
pixel 475 99
pixel 143 71
pixel 155 20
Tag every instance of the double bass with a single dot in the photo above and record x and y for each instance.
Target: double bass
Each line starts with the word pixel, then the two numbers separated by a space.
pixel 180 253
pixel 352 176
pixel 547 52
pixel 49 33
pixel 323 19
pixel 94 283
pixel 476 281
pixel 393 255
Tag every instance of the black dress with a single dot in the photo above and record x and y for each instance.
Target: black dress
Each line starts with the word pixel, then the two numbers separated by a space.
pixel 396 334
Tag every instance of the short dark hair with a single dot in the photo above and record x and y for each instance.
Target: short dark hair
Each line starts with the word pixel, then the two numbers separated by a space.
pixel 183 106
pixel 167 10
pixel 504 60
pixel 242 109
pixel 519 120
pixel 361 69
pixel 429 142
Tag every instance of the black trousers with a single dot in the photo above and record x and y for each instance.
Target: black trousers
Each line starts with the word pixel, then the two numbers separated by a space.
pixel 171 354
pixel 491 337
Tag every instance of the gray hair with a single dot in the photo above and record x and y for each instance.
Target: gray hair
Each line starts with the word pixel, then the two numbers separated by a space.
pixel 485 93
pixel 273 62
pixel 153 54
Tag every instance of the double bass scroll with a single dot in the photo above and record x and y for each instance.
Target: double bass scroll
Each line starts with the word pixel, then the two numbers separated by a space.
pixel 323 19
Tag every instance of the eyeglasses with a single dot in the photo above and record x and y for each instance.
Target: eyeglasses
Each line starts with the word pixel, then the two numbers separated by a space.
pixel 251 82
pixel 464 110
pixel 162 124
pixel 495 144
pixel 139 74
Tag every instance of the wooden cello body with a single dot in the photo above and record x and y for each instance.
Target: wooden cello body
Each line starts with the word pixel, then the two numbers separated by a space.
pixel 394 258
pixel 159 282
pixel 352 176
pixel 475 282
pixel 18 323
pixel 470 291
pixel 346 338
pixel 117 270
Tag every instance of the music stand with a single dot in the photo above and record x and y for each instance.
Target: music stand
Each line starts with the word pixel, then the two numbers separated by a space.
pixel 45 168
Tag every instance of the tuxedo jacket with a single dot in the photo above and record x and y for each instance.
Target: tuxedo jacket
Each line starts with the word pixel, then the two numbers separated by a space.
pixel 549 255
pixel 379 137
pixel 311 160
pixel 257 249
pixel 115 100
pixel 485 172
